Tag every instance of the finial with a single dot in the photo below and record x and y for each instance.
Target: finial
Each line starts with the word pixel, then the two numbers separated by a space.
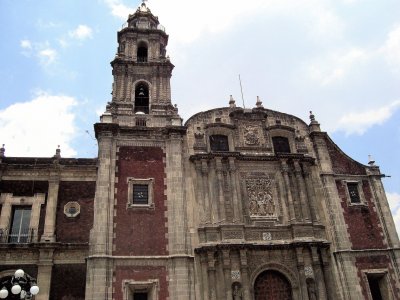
pixel 58 152
pixel 259 103
pixel 312 117
pixel 231 102
pixel 371 161
pixel 2 151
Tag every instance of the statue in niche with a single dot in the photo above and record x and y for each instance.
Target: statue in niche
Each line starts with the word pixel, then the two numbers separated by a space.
pixel 259 193
pixel 237 293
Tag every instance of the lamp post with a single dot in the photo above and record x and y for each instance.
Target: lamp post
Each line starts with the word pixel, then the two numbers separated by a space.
pixel 19 286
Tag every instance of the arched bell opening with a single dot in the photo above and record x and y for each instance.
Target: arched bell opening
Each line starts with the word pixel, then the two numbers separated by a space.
pixel 142 52
pixel 142 99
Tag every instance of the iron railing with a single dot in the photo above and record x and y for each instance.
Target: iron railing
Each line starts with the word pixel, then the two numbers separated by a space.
pixel 23 237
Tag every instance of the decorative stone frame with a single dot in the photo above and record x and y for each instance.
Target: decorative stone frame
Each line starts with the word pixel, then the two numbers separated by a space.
pixel 384 274
pixel 70 205
pixel 363 201
pixel 220 130
pixel 144 181
pixel 9 200
pixel 151 286
pixel 283 131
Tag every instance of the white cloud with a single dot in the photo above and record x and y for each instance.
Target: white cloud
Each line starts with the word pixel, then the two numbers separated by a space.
pixel 360 122
pixel 394 203
pixel 36 127
pixel 47 56
pixel 82 32
pixel 209 16
pixel 335 67
pixel 26 44
pixel 118 9
pixel 391 49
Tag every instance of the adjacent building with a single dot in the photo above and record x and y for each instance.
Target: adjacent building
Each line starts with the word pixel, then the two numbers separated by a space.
pixel 236 203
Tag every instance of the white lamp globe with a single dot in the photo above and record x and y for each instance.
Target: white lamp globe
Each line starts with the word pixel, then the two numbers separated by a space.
pixel 3 293
pixel 19 273
pixel 34 290
pixel 16 289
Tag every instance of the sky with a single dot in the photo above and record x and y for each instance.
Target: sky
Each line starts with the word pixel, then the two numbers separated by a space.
pixel 338 58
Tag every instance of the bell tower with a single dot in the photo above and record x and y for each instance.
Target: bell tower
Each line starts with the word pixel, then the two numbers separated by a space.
pixel 142 71
pixel 139 246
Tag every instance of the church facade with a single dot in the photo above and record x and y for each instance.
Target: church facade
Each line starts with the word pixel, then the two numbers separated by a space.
pixel 242 204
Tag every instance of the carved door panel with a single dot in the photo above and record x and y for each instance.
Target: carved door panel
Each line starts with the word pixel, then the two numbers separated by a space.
pixel 271 285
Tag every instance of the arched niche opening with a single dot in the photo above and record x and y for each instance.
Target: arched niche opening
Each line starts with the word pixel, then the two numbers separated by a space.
pixel 142 99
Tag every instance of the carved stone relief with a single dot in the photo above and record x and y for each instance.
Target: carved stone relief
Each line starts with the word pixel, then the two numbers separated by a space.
pixel 260 197
pixel 251 135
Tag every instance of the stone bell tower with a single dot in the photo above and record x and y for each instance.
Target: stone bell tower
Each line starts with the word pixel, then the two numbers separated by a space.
pixel 139 247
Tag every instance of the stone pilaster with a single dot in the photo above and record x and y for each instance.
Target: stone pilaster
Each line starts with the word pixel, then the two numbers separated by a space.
pixel 221 197
pixel 212 292
pixel 286 181
pixel 208 204
pixel 236 207
pixel 245 275
pixel 45 266
pixel 302 276
pixel 311 194
pixel 305 210
pixel 319 277
pixel 51 209
pixel 226 263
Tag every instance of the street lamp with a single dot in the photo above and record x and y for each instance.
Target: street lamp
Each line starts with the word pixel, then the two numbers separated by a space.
pixel 21 284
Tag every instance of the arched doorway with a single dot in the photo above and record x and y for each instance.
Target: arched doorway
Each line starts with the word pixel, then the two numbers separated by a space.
pixel 272 285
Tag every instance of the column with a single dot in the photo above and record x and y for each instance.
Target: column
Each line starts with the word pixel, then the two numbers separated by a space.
pixel 221 197
pixel 207 203
pixel 305 211
pixel 51 209
pixel 285 173
pixel 204 273
pixel 302 276
pixel 327 272
pixel 245 274
pixel 311 195
pixel 211 276
pixel 226 264
pixel 234 190
pixel 200 193
pixel 318 276
pixel 45 266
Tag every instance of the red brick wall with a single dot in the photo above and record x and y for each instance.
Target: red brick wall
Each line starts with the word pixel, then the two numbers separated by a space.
pixel 68 282
pixel 374 262
pixel 341 163
pixel 140 274
pixel 75 230
pixel 362 221
pixel 140 231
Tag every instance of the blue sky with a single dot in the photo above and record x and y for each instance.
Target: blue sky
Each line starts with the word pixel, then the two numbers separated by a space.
pixel 338 58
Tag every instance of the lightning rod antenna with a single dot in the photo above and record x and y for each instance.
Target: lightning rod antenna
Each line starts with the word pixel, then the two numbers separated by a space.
pixel 241 90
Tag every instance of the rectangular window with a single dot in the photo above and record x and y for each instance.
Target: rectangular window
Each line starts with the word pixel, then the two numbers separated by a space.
pixel 378 286
pixel 281 144
pixel 20 232
pixel 353 192
pixel 140 194
pixel 140 296
pixel 219 143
